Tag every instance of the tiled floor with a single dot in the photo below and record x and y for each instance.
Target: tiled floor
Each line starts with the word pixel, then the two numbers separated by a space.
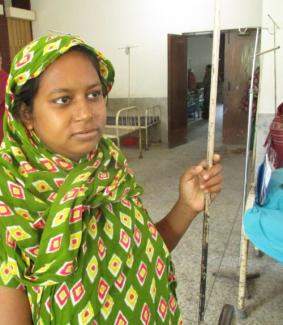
pixel 158 172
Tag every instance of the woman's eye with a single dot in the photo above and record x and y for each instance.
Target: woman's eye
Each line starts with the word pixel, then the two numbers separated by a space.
pixel 94 94
pixel 62 100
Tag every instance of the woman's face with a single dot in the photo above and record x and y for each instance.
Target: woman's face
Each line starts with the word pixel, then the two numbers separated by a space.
pixel 69 110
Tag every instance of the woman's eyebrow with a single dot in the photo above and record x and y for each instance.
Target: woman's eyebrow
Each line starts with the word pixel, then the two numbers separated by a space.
pixel 59 90
pixel 64 90
pixel 96 84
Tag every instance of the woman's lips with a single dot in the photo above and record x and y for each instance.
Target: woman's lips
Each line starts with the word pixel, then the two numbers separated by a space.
pixel 85 135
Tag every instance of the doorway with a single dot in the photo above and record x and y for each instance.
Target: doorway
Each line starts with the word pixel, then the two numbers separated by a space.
pixel 192 55
pixel 199 58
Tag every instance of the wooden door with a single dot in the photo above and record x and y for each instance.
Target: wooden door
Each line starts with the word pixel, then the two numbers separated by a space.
pixel 20 34
pixel 177 90
pixel 238 63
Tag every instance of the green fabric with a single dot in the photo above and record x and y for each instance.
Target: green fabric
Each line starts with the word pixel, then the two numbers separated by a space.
pixel 75 235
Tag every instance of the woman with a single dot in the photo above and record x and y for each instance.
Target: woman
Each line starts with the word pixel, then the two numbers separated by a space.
pixel 75 237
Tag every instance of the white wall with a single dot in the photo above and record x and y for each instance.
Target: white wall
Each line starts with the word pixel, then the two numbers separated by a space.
pixel 267 86
pixel 266 101
pixel 199 54
pixel 110 25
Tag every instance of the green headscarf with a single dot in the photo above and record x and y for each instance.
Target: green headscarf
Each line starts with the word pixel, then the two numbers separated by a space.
pixel 33 59
pixel 75 235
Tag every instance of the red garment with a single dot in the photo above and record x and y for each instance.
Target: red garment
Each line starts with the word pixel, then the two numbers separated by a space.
pixel 274 140
pixel 3 80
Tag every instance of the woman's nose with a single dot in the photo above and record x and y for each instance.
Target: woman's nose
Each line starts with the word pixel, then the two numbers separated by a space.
pixel 83 110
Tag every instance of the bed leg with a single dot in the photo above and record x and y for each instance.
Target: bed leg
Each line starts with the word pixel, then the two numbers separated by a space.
pixel 146 139
pixel 140 143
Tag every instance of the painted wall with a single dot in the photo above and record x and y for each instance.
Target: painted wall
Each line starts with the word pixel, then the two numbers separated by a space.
pixel 199 54
pixel 266 101
pixel 267 87
pixel 111 25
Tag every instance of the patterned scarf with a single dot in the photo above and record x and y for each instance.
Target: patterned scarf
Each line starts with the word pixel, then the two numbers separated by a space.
pixel 75 235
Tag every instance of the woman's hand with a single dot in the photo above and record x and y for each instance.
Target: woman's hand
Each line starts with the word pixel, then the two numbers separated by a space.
pixel 194 184
pixel 199 180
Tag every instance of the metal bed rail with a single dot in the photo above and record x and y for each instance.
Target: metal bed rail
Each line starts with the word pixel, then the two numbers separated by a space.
pixel 127 120
pixel 152 117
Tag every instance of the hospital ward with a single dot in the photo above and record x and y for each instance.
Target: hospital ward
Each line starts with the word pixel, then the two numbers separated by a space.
pixel 141 162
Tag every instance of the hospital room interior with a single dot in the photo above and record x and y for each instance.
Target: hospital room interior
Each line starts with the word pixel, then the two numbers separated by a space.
pixel 188 80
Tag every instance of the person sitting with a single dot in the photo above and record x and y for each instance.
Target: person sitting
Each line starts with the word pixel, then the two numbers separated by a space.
pixel 192 82
pixel 77 244
pixel 263 223
pixel 206 92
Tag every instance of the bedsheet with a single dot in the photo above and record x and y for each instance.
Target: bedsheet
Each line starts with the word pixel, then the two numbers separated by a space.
pixel 263 225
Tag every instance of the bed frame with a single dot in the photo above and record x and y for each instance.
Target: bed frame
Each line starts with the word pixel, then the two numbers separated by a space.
pixel 151 118
pixel 130 120
pixel 125 122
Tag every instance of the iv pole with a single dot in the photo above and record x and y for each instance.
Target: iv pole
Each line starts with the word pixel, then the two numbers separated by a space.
pixel 128 53
pixel 244 241
pixel 210 150
pixel 275 26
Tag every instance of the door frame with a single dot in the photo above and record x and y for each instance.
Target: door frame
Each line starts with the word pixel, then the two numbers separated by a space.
pixel 177 89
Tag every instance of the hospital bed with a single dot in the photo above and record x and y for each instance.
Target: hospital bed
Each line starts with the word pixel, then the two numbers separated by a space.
pixel 129 120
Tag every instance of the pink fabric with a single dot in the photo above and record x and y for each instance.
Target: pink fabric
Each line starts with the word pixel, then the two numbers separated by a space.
pixel 3 80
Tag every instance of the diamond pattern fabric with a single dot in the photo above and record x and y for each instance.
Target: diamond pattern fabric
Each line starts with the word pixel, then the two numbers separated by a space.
pixel 75 235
